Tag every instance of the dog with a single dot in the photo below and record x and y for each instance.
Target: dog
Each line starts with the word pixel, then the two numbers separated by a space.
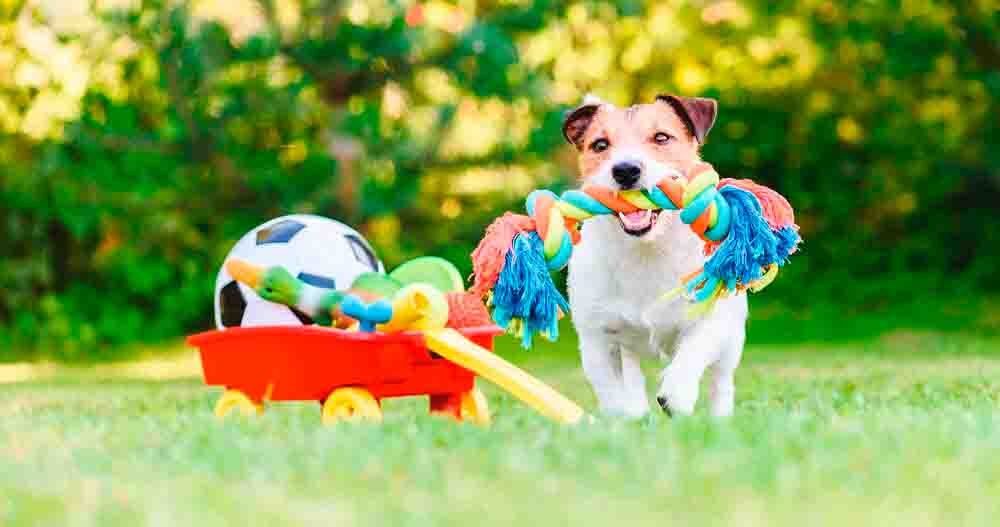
pixel 623 264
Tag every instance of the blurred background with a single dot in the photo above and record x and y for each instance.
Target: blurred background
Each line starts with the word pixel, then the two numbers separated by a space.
pixel 140 139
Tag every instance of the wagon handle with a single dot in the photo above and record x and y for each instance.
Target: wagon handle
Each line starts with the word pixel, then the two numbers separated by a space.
pixel 424 308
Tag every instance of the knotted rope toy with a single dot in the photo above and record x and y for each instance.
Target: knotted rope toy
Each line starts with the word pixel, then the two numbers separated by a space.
pixel 749 232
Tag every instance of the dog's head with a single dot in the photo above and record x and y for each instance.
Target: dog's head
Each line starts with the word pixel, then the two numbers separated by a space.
pixel 634 147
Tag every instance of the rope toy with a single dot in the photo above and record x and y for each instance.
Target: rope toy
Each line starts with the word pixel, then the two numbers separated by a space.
pixel 749 232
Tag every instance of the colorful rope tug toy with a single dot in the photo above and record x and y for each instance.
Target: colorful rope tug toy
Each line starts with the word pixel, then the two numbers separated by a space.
pixel 749 232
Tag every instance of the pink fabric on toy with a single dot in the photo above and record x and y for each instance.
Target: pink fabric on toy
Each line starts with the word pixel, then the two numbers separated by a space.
pixel 488 258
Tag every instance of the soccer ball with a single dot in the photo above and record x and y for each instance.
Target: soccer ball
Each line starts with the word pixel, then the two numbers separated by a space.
pixel 321 252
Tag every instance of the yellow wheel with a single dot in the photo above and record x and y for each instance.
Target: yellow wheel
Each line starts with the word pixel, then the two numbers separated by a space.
pixel 351 404
pixel 237 400
pixel 474 407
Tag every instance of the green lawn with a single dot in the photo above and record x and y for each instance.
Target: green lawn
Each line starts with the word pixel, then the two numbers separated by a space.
pixel 902 430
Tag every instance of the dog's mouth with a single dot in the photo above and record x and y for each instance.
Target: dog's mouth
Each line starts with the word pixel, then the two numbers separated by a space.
pixel 637 223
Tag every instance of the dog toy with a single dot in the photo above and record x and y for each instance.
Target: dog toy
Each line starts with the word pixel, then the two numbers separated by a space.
pixel 326 308
pixel 432 270
pixel 361 302
pixel 749 232
pixel 466 310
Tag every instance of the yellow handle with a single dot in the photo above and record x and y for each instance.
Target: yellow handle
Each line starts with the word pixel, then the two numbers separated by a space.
pixel 453 346
pixel 422 307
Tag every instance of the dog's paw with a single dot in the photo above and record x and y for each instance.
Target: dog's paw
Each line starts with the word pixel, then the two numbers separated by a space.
pixel 664 405
pixel 677 399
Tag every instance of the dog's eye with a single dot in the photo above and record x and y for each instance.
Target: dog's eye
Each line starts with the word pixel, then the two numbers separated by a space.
pixel 600 145
pixel 661 138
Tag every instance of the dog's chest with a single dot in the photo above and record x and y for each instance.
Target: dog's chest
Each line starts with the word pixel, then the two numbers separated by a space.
pixel 615 282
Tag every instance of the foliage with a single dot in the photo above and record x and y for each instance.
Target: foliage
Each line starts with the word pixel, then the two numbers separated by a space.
pixel 139 139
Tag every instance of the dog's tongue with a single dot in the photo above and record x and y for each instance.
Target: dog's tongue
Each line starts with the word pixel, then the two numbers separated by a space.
pixel 634 221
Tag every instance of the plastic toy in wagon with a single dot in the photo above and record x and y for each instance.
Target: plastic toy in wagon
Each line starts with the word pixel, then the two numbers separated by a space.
pixel 414 331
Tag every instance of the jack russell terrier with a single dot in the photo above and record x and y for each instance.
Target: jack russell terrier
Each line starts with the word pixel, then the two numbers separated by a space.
pixel 624 263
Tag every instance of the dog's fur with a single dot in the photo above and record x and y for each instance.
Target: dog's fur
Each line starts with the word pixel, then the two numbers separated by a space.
pixel 616 277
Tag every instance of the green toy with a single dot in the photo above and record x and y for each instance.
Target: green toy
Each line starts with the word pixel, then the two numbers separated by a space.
pixel 432 270
pixel 276 284
pixel 376 284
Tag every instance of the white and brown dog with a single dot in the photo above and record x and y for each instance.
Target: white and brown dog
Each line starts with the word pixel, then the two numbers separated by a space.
pixel 624 264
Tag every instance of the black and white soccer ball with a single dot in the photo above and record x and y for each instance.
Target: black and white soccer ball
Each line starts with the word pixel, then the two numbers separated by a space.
pixel 319 251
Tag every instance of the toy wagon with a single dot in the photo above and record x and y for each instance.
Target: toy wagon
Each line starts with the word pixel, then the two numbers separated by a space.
pixel 349 373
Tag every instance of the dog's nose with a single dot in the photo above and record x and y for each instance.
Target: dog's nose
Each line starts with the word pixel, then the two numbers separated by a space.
pixel 626 174
pixel 663 404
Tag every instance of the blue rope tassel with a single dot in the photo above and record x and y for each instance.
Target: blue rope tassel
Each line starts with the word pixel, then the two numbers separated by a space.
pixel 525 293
pixel 750 246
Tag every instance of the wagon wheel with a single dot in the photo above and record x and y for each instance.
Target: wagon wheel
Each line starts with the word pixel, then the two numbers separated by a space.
pixel 237 400
pixel 351 404
pixel 474 407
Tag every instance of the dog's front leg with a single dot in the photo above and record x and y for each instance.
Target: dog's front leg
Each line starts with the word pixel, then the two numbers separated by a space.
pixel 723 388
pixel 681 379
pixel 602 364
pixel 636 402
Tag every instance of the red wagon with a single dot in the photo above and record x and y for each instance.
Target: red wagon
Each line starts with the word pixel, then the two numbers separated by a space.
pixel 348 372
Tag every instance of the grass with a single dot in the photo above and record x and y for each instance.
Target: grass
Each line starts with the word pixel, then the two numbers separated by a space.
pixel 901 430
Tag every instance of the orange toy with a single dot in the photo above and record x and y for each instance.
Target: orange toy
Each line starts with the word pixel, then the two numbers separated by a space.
pixel 466 309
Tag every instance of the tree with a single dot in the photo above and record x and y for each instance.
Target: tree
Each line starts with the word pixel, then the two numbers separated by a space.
pixel 140 139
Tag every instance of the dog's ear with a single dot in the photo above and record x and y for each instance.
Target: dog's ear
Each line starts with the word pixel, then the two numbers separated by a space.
pixel 698 113
pixel 576 122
